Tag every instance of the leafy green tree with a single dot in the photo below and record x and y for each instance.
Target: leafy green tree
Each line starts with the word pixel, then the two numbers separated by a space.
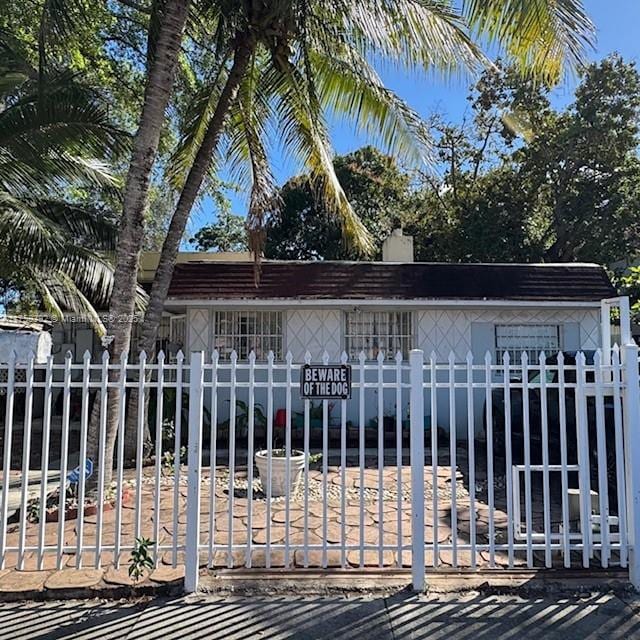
pixel 519 181
pixel 379 191
pixel 583 166
pixel 227 233
pixel 564 189
pixel 103 41
pixel 627 282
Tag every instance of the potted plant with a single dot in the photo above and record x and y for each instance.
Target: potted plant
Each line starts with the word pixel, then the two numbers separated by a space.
pixel 279 484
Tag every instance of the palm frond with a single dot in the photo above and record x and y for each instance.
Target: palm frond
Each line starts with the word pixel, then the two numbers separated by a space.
pixel 60 123
pixel 58 19
pixel 252 114
pixel 45 177
pixel 15 69
pixel 87 226
pixel 253 102
pixel 541 36
pixel 49 302
pixel 10 81
pixel 349 87
pixel 52 236
pixel 426 34
pixel 196 123
pixel 60 293
pixel 45 146
pixel 304 135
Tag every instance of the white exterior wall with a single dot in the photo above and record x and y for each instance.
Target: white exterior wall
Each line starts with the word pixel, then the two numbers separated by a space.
pixel 446 330
pixel 23 343
pixel 472 330
pixel 439 330
pixel 199 330
pixel 314 330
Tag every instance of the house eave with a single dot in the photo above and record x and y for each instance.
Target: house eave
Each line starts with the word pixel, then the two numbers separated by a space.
pixel 379 302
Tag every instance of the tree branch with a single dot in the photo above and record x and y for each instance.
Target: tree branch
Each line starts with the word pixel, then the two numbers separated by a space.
pixel 483 147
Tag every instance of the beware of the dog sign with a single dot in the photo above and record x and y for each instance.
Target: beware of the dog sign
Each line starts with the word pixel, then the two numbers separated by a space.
pixel 325 381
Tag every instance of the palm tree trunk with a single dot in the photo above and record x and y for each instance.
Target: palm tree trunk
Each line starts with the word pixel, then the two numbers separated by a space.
pixel 193 182
pixel 158 91
pixel 163 48
pixel 197 173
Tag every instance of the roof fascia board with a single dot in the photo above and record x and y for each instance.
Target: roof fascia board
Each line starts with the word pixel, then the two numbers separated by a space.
pixel 421 303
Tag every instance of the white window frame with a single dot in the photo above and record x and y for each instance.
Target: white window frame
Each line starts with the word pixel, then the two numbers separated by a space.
pixel 371 331
pixel 244 330
pixel 533 338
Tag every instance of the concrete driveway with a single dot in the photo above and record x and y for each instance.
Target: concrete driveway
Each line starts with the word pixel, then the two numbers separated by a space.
pixel 402 616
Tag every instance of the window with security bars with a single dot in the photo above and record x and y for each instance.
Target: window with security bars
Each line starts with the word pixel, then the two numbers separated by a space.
pixel 246 331
pixel 375 331
pixel 531 339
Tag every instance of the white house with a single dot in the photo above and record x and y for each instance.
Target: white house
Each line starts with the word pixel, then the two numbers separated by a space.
pixel 392 305
pixel 216 302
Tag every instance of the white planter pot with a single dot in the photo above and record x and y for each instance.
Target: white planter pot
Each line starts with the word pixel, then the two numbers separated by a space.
pixel 279 472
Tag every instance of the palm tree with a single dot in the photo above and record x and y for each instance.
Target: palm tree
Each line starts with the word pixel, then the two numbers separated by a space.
pixel 166 25
pixel 294 59
pixel 256 83
pixel 54 135
pixel 286 63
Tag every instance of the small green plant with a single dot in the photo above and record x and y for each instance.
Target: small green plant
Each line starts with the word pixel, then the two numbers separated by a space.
pixel 140 560
pixel 168 442
pixel 168 463
pixel 169 460
pixel 281 452
pixel 242 418
pixel 168 433
pixel 169 413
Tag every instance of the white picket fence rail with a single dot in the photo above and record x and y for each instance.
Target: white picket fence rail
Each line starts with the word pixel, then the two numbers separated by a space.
pixel 469 465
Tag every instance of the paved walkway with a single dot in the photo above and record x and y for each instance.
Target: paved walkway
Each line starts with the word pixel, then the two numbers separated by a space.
pixel 402 616
pixel 389 520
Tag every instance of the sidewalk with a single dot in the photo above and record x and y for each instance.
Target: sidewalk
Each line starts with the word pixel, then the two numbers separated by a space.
pixel 403 616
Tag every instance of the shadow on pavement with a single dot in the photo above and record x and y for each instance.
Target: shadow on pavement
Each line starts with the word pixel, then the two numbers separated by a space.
pixel 399 617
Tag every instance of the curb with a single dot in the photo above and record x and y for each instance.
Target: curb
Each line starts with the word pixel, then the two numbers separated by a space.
pixel 102 591
pixel 319 583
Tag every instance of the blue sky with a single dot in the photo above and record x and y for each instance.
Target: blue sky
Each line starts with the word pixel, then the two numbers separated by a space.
pixel 617 30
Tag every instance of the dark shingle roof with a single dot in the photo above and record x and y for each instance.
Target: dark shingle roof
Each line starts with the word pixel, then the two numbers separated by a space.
pixel 385 280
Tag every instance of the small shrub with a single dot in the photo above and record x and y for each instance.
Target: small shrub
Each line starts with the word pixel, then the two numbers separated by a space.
pixel 140 560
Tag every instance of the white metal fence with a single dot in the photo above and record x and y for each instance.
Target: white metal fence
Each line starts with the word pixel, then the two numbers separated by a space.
pixel 428 464
pixel 47 421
